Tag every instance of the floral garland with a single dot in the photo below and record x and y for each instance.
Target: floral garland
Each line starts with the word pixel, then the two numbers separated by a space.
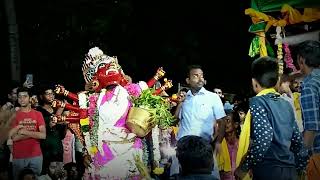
pixel 278 42
pixel 84 120
pixel 94 130
pixel 156 150
pixel 89 120
pixel 280 56
pixel 133 90
pixel 155 143
pixel 287 58
pixel 94 123
pixel 92 108
pixel 145 155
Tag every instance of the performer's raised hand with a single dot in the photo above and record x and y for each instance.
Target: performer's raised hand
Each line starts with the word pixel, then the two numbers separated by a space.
pixel 59 89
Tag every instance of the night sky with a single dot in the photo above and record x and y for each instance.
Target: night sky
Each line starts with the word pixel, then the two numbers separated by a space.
pixel 55 35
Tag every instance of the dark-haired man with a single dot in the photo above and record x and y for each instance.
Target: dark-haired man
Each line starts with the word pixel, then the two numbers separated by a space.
pixel 27 130
pixel 200 110
pixel 275 140
pixel 52 145
pixel 309 63
pixel 195 155
pixel 12 98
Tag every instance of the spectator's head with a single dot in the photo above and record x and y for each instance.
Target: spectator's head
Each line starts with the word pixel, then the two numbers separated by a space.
pixel 242 109
pixel 55 170
pixel 72 171
pixel 34 101
pixel 233 123
pixel 27 174
pixel 295 81
pixel 308 56
pixel 195 155
pixel 12 92
pixel 195 78
pixel 264 73
pixel 183 92
pixel 284 85
pixel 24 97
pixel 238 99
pixel 219 92
pixel 46 94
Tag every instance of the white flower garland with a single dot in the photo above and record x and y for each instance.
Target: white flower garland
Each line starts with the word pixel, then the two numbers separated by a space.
pixel 143 85
pixel 83 100
pixel 83 103
pixel 278 42
pixel 156 146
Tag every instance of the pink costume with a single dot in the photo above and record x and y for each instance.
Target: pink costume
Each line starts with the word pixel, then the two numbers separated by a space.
pixel 103 113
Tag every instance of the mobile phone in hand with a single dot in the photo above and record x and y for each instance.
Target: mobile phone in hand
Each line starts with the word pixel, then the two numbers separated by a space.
pixel 29 79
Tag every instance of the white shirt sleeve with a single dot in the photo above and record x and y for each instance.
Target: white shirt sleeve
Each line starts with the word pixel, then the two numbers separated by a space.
pixel 218 109
pixel 180 113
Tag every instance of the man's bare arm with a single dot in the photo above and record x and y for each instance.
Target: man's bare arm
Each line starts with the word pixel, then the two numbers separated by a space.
pixel 178 109
pixel 37 135
pixel 308 137
pixel 221 129
pixel 18 137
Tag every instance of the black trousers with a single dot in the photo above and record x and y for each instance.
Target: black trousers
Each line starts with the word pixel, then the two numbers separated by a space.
pixel 274 173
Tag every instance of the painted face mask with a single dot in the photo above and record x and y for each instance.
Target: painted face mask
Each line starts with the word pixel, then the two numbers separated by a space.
pixel 102 70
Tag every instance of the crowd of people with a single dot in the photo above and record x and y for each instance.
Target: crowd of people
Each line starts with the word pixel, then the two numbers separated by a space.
pixel 274 135
pixel 35 142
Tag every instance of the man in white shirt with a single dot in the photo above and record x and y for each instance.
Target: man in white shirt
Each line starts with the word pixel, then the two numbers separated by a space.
pixel 200 110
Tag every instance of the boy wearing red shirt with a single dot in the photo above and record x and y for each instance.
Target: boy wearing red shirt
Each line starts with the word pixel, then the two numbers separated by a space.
pixel 27 129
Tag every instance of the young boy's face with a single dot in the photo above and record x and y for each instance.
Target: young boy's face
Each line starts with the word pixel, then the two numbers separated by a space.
pixel 48 96
pixel 24 99
pixel 242 115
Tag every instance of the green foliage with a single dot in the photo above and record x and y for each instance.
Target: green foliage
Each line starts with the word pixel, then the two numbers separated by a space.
pixel 157 106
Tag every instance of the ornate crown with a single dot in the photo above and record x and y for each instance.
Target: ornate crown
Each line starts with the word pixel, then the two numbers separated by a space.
pixel 102 70
pixel 94 59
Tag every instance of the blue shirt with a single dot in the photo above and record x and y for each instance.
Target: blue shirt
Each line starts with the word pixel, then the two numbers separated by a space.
pixel 310 105
pixel 198 114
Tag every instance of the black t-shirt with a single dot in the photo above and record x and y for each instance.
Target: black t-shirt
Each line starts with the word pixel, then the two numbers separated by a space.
pixel 52 145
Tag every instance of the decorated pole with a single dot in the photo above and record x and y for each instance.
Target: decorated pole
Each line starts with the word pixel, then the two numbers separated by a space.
pixel 62 91
pixel 57 104
pixel 167 84
pixel 159 74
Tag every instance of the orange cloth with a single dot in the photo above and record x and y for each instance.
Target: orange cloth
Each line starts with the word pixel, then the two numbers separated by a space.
pixel 313 168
